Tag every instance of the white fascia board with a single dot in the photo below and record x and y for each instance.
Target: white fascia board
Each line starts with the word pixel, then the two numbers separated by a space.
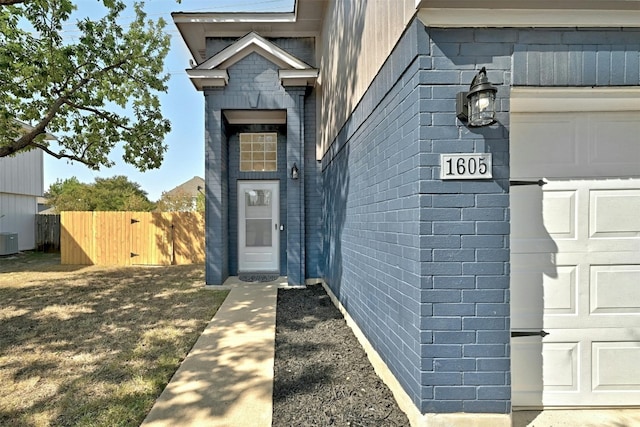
pixel 578 99
pixel 306 77
pixel 217 18
pixel 252 42
pixel 537 18
pixel 202 78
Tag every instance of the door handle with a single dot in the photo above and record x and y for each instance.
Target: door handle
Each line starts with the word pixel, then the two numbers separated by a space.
pixel 515 334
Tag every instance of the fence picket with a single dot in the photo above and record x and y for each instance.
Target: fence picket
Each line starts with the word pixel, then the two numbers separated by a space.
pixel 48 232
pixel 111 238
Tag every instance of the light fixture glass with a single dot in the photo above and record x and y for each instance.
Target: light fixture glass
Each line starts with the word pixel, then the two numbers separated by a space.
pixel 294 172
pixel 478 106
pixel 482 108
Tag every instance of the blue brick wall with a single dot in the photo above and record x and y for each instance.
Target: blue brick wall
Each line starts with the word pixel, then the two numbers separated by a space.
pixel 216 214
pixel 255 80
pixel 422 265
pixel 312 195
pixel 372 247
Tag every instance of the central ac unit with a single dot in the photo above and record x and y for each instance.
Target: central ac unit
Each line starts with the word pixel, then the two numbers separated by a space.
pixel 8 243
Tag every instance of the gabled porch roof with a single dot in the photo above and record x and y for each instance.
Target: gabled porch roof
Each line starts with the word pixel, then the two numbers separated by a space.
pixel 304 21
pixel 213 71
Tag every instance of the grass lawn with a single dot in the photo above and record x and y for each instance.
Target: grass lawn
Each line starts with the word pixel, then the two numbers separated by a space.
pixel 93 346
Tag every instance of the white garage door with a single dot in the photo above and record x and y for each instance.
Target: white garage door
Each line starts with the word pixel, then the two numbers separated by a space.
pixel 575 258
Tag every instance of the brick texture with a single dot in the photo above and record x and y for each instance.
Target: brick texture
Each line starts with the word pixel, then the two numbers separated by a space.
pixel 422 265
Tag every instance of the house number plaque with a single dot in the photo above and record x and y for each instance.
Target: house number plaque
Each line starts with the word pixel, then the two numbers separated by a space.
pixel 465 166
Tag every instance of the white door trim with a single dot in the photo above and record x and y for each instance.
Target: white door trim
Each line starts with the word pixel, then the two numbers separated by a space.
pixel 259 257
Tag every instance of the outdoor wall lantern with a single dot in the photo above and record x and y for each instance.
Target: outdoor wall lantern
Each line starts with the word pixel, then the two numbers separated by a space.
pixel 294 172
pixel 478 106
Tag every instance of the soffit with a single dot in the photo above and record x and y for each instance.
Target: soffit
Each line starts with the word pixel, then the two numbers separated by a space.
pixel 526 13
pixel 250 117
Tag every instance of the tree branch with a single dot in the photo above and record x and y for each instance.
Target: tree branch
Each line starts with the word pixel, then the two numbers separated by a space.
pixel 62 155
pixel 97 112
pixel 10 2
pixel 28 138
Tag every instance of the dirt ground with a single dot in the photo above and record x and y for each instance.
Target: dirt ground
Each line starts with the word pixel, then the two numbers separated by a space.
pixel 322 375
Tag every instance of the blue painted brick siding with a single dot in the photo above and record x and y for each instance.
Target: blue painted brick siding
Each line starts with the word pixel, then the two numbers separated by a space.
pixel 249 76
pixel 440 318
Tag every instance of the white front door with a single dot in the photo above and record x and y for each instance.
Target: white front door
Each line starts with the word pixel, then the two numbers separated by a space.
pixel 258 226
pixel 575 259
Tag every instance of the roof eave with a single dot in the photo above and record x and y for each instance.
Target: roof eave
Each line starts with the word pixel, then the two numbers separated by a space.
pixel 305 77
pixel 304 21
pixel 524 13
pixel 208 78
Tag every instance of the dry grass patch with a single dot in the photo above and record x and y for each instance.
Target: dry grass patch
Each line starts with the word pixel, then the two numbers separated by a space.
pixel 93 346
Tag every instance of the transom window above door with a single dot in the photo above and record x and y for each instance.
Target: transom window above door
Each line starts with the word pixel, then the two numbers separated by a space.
pixel 258 152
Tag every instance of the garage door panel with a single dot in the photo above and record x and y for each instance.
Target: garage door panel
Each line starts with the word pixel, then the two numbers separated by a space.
pixel 528 271
pixel 560 363
pixel 624 128
pixel 559 214
pixel 615 289
pixel 538 218
pixel 615 366
pixel 599 369
pixel 561 291
pixel 531 158
pixel 595 144
pixel 526 371
pixel 614 213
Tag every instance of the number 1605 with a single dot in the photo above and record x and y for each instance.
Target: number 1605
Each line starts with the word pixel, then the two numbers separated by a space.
pixel 465 166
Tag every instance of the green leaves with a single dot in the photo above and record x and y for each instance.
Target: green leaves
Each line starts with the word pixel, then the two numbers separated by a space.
pixel 93 92
pixel 106 194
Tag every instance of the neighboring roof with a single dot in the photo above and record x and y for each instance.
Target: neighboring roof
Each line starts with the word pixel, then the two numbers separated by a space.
pixel 194 186
pixel 304 21
pixel 213 71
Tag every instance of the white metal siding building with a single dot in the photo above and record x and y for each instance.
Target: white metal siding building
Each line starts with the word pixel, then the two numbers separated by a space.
pixel 21 183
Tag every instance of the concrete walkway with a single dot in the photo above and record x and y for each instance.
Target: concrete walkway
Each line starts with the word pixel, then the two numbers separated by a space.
pixel 227 378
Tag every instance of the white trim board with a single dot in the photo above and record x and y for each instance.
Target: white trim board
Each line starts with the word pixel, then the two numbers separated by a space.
pixel 250 43
pixel 537 18
pixel 540 100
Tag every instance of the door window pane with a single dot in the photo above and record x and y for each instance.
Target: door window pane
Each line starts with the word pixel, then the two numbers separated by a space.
pixel 258 219
pixel 258 232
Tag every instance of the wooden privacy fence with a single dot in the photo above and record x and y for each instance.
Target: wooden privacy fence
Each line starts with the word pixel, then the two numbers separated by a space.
pixel 132 238
pixel 48 232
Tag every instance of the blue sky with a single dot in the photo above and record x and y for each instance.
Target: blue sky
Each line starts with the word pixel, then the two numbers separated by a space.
pixel 182 105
